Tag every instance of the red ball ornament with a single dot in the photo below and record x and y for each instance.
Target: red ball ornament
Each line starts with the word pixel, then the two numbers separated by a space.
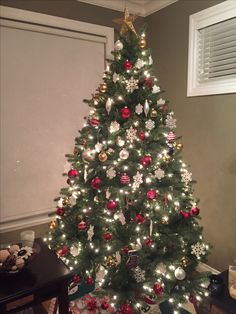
pixel 185 214
pixel 171 136
pixel 151 194
pixel 92 304
pixel 157 288
pixel 94 121
pixel 125 179
pixel 89 281
pixel 112 205
pixel 126 309
pixel 60 211
pixel 148 242
pixel 125 113
pixel 82 225
pixel 73 173
pixel 146 160
pixel 63 251
pixel 126 249
pixel 140 219
pixel 95 183
pixel 141 135
pixel 128 65
pixel 105 305
pixel 107 236
pixel 195 211
pixel 148 82
pixel 76 279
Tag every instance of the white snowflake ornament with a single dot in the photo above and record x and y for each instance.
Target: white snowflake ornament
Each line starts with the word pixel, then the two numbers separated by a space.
pixel 115 77
pixel 98 147
pixel 131 134
pixel 114 126
pixel 120 216
pixel 156 89
pixel 159 173
pixel 139 274
pixel 131 85
pixel 186 177
pixel 150 60
pixel 161 102
pixel 170 121
pixel 138 179
pixel 139 109
pixel 198 249
pixel 90 233
pixel 111 173
pixel 150 124
pixel 139 64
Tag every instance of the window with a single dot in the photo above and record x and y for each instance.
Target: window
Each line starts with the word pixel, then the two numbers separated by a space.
pixel 212 51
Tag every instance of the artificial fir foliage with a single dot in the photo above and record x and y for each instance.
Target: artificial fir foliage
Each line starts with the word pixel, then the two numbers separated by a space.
pixel 128 221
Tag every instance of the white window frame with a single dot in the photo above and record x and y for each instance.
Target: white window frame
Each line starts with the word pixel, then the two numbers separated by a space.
pixel 28 20
pixel 197 21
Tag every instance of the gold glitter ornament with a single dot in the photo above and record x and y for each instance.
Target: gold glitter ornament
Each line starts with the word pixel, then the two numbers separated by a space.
pixel 66 201
pixel 102 156
pixel 165 220
pixel 52 224
pixel 184 262
pixel 110 261
pixel 153 113
pixel 142 43
pixel 103 87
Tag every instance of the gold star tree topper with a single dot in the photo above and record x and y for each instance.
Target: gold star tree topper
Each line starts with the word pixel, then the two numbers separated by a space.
pixel 126 22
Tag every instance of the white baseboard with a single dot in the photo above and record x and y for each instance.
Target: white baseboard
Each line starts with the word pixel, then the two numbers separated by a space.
pixel 202 267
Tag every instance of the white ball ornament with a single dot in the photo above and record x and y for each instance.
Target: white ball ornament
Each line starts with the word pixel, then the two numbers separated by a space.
pixel 118 45
pixel 124 154
pixel 180 274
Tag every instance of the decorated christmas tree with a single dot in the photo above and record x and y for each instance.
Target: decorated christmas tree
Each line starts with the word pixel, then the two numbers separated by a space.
pixel 127 222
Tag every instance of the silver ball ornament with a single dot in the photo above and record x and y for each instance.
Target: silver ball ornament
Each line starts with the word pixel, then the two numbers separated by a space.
pixel 180 274
pixel 124 154
pixel 118 45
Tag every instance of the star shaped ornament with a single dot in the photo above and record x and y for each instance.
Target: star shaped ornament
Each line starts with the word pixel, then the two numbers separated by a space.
pixel 126 22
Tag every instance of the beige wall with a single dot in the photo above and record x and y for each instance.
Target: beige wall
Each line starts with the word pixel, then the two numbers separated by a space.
pixel 207 124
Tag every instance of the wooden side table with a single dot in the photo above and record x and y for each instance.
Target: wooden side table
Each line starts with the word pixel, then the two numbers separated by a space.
pixel 45 277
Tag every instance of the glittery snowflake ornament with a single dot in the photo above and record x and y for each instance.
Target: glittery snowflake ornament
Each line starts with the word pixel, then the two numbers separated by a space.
pixel 186 177
pixel 114 126
pixel 111 173
pixel 150 124
pixel 138 179
pixel 131 85
pixel 131 134
pixel 139 274
pixel 115 77
pixel 139 64
pixel 159 173
pixel 170 121
pixel 161 102
pixel 156 89
pixel 139 109
pixel 198 249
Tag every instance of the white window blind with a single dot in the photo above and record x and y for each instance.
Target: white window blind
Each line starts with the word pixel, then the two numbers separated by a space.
pixel 217 51
pixel 212 50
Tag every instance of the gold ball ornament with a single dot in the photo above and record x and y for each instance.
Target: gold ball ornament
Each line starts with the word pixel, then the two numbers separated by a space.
pixel 66 201
pixel 142 43
pixel 179 146
pixel 184 262
pixel 102 156
pixel 153 113
pixel 110 261
pixel 103 87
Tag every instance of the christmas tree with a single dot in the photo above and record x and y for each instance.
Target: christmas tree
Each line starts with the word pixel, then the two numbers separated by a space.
pixel 128 221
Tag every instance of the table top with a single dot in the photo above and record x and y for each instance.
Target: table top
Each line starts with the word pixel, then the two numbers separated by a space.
pixel 45 269
pixel 224 301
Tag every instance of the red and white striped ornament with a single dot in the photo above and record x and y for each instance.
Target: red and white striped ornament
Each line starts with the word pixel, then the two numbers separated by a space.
pixel 125 179
pixel 171 136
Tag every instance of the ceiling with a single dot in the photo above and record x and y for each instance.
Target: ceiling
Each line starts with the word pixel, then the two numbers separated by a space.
pixel 141 7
